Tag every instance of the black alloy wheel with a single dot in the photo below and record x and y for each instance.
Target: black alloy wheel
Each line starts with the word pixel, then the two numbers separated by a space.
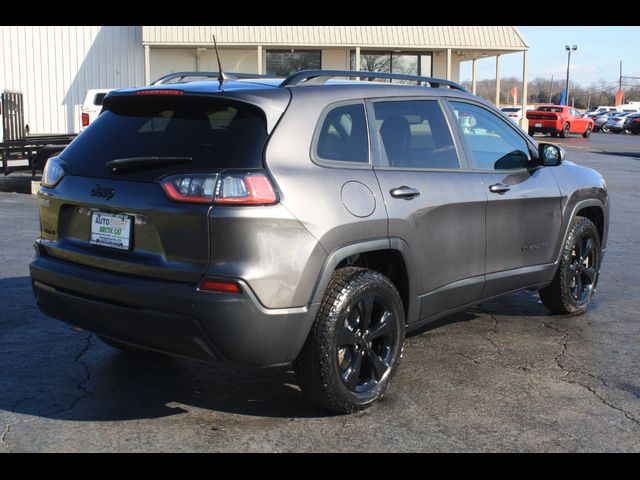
pixel 575 280
pixel 366 341
pixel 583 268
pixel 355 345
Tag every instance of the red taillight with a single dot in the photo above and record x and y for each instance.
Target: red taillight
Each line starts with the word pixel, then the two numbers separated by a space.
pixel 85 119
pixel 220 286
pixel 636 120
pixel 226 188
pixel 159 92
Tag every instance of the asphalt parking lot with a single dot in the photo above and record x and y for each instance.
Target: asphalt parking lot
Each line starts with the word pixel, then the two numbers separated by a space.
pixel 504 376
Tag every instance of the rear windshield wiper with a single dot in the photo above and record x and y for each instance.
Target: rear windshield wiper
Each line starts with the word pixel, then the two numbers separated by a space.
pixel 120 165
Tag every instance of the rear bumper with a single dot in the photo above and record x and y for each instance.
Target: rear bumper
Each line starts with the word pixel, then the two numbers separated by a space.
pixel 170 317
pixel 543 129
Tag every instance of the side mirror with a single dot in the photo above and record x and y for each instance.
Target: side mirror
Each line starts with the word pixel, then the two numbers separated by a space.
pixel 550 155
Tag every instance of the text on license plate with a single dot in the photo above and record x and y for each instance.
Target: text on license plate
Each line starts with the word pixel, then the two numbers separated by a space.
pixel 111 230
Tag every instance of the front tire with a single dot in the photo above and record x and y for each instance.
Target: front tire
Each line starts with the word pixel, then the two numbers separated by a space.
pixel 564 133
pixel 355 344
pixel 587 132
pixel 577 276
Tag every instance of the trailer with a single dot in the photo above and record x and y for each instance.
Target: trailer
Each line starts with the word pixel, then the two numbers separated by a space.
pixel 20 150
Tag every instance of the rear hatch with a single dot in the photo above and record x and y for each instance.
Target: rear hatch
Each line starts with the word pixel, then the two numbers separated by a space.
pixel 122 219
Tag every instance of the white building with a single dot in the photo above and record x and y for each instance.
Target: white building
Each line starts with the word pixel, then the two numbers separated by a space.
pixel 55 65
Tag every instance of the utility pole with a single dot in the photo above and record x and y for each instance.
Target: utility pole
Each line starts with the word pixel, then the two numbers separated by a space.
pixel 551 89
pixel 566 90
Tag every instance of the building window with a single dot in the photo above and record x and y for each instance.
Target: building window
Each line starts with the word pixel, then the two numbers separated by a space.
pixel 409 63
pixel 285 62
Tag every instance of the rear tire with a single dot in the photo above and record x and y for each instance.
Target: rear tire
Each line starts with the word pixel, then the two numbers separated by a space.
pixel 577 276
pixel 123 347
pixel 531 132
pixel 605 129
pixel 355 344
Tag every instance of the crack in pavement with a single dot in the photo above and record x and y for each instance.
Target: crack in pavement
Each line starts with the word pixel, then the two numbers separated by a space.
pixel 563 343
pixel 80 386
pixel 4 435
pixel 86 369
pixel 492 331
pixel 557 360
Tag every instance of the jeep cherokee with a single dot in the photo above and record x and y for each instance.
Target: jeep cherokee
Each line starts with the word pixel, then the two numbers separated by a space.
pixel 311 220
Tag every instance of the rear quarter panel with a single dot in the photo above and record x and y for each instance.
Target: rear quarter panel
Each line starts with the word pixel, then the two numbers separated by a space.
pixel 314 193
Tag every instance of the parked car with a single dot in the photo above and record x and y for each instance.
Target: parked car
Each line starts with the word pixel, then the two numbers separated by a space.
pixel 615 123
pixel 515 113
pixel 558 120
pixel 629 108
pixel 601 122
pixel 92 105
pixel 261 224
pixel 632 123
pixel 606 109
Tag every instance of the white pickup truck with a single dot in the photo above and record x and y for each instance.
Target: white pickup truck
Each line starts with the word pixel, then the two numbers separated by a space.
pixel 92 105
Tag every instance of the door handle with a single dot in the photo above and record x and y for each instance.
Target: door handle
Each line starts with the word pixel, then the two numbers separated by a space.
pixel 499 188
pixel 404 192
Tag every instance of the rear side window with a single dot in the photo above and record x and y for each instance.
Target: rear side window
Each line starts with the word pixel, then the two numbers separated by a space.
pixel 415 134
pixel 343 135
pixel 214 133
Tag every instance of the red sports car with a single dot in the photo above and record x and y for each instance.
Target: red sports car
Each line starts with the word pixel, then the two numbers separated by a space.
pixel 558 120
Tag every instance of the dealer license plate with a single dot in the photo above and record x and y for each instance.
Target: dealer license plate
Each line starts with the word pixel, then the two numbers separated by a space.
pixel 538 125
pixel 111 230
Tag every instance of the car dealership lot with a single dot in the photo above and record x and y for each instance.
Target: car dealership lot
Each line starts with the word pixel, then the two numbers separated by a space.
pixel 504 376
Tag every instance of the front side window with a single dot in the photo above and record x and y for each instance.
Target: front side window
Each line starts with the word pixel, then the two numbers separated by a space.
pixel 492 141
pixel 415 134
pixel 343 135
pixel 285 62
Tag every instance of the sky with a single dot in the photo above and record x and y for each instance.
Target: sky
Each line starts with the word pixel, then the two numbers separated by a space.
pixel 598 56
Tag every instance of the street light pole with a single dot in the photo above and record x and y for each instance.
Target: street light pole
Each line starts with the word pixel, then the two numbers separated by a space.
pixel 566 89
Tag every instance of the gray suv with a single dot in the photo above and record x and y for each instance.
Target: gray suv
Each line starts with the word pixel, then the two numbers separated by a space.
pixel 311 220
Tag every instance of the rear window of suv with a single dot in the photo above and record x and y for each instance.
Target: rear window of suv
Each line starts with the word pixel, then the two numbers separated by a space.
pixel 214 133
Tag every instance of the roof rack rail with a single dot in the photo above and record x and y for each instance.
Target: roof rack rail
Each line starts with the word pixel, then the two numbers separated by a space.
pixel 318 77
pixel 182 76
